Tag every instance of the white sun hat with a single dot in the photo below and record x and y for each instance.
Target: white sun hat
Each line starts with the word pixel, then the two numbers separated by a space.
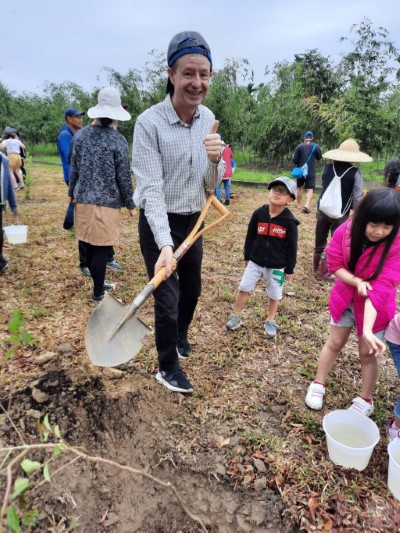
pixel 109 106
pixel 349 152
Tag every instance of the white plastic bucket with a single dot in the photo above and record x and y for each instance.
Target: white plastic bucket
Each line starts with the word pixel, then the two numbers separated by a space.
pixel 394 468
pixel 351 438
pixel 16 234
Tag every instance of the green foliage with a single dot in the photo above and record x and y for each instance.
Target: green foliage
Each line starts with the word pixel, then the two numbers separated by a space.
pixel 232 104
pixel 19 511
pixel 13 519
pixel 18 335
pixel 46 149
pixel 355 98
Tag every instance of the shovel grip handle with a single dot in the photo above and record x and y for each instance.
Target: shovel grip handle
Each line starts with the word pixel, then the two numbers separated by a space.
pixel 194 235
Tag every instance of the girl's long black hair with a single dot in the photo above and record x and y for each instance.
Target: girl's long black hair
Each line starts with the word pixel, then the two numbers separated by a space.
pixel 379 206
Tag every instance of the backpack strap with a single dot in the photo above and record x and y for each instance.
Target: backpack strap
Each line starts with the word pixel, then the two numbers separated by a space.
pixel 345 172
pixel 311 153
pixel 350 201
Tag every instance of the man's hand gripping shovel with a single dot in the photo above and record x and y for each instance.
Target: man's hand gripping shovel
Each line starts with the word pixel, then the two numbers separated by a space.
pixel 114 334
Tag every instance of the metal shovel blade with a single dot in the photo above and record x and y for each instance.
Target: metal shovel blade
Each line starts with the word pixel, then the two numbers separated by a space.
pixel 106 349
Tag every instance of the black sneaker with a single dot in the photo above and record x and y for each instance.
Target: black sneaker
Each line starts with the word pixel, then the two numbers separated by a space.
pixel 3 266
pixel 97 298
pixel 174 380
pixel 183 349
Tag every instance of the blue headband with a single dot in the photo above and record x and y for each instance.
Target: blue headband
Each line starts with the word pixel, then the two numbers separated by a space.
pixel 189 50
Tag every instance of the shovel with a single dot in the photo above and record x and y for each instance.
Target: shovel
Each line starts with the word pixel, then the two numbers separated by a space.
pixel 114 334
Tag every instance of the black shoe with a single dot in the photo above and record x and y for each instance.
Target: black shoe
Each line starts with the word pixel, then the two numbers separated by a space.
pixel 97 298
pixel 175 380
pixel 183 349
pixel 3 266
pixel 227 202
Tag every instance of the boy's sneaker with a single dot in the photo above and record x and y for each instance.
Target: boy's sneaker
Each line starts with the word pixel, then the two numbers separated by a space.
pixel 315 396
pixel 114 265
pixel 97 298
pixel 183 349
pixel 86 272
pixel 174 380
pixel 392 432
pixel 233 323
pixel 108 286
pixel 270 329
pixel 359 405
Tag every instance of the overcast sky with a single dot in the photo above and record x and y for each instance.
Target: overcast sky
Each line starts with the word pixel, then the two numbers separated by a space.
pixel 72 40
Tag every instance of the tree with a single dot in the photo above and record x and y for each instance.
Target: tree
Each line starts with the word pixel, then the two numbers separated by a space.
pixel 232 103
pixel 6 104
pixel 317 76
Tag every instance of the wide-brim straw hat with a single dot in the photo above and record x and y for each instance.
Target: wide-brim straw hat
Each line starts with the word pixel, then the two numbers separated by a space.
pixel 109 106
pixel 349 152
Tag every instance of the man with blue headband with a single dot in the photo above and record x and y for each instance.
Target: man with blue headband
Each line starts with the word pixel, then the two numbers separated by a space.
pixel 176 156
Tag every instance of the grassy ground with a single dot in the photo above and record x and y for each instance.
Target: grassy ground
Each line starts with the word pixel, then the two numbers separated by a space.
pixel 248 390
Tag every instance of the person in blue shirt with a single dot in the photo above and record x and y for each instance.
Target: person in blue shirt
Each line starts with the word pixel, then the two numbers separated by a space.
pixel 73 123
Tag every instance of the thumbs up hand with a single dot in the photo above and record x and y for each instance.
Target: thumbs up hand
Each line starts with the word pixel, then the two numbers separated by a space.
pixel 212 144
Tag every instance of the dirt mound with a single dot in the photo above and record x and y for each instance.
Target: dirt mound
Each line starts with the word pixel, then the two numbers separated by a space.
pixel 125 418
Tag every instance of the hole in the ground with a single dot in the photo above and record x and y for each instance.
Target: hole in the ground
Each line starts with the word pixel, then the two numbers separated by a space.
pixel 130 421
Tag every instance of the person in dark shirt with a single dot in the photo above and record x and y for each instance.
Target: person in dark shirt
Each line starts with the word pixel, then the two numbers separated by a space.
pixel 391 173
pixel 270 252
pixel 300 157
pixel 343 160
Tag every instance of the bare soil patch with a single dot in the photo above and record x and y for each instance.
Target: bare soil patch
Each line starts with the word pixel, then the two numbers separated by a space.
pixel 243 451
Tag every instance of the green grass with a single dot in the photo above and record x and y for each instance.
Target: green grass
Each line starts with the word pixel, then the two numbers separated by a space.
pixel 47 159
pixel 244 174
pixel 43 149
pixel 370 171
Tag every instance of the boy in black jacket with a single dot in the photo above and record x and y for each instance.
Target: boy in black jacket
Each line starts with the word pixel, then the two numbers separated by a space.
pixel 270 251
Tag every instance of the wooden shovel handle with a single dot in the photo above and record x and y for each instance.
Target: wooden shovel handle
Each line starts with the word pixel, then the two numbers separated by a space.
pixel 183 248
pixel 194 235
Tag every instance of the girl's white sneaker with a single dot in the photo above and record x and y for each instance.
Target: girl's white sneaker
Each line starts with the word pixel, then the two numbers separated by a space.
pixel 359 405
pixel 315 396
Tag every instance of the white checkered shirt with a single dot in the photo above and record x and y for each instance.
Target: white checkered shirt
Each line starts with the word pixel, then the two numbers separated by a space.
pixel 171 166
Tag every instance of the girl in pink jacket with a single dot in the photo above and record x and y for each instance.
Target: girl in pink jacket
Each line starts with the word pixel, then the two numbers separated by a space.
pixel 364 256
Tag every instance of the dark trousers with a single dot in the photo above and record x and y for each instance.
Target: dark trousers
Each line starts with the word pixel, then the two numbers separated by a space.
pixel 2 260
pixel 83 261
pixel 96 257
pixel 68 224
pixel 325 225
pixel 176 298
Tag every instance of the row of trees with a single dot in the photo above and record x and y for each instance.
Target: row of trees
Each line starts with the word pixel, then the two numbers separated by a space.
pixel 358 97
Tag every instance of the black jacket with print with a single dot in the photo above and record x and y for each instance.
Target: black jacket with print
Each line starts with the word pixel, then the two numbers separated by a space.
pixel 272 242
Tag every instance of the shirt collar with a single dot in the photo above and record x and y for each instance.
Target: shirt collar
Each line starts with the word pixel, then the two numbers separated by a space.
pixel 172 114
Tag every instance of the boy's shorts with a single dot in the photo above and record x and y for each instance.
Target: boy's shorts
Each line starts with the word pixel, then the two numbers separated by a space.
pixel 348 320
pixel 274 278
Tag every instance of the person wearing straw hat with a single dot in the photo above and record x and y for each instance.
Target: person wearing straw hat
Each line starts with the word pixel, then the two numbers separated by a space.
pixel 351 182
pixel 176 156
pixel 100 184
